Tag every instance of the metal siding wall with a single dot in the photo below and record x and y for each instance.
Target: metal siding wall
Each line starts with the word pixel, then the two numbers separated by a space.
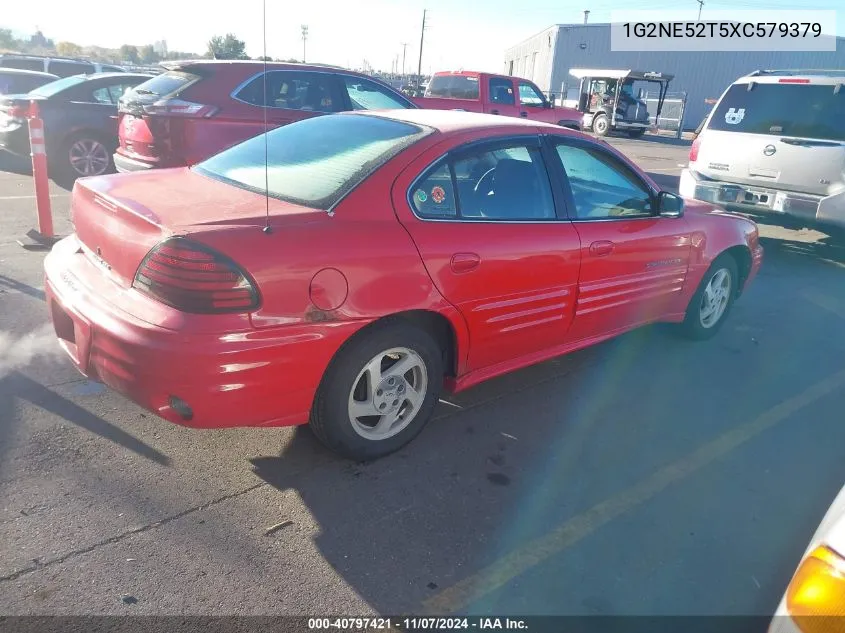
pixel 700 75
pixel 544 45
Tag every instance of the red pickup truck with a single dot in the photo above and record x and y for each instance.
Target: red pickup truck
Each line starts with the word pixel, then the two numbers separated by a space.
pixel 494 94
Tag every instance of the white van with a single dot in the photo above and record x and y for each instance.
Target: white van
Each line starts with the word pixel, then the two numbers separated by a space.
pixel 775 142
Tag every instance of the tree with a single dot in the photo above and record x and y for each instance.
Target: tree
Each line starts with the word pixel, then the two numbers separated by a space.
pixel 129 53
pixel 264 58
pixel 68 49
pixel 148 55
pixel 227 47
pixel 7 40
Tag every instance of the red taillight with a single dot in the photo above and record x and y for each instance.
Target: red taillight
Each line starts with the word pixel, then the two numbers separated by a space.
pixel 693 151
pixel 178 107
pixel 793 81
pixel 17 111
pixel 193 278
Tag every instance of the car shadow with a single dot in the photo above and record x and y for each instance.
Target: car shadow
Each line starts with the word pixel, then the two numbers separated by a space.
pixel 491 480
pixel 19 286
pixel 667 182
pixel 15 164
pixel 22 166
pixel 16 385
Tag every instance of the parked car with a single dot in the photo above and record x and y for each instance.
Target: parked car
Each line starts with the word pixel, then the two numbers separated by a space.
pixel 494 94
pixel 14 81
pixel 198 108
pixel 80 121
pixel 814 600
pixel 59 66
pixel 395 254
pixel 774 143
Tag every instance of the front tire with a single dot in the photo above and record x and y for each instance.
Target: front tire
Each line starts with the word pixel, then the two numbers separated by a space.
pixel 636 133
pixel 601 125
pixel 379 392
pixel 710 305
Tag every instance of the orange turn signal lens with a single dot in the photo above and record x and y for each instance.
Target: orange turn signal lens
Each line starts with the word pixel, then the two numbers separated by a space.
pixel 816 596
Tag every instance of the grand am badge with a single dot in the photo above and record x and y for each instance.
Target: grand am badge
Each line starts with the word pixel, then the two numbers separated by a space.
pixel 438 194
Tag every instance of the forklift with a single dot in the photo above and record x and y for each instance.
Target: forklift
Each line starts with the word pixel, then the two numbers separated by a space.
pixel 607 99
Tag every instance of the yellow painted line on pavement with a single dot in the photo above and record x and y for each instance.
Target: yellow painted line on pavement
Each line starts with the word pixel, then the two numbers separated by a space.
pixel 499 573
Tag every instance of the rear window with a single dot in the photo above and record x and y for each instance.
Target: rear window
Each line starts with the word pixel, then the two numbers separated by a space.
pixel 453 87
pixel 166 84
pixel 67 69
pixel 802 110
pixel 313 162
pixel 55 87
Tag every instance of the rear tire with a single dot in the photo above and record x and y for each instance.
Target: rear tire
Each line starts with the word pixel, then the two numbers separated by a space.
pixel 710 305
pixel 379 392
pixel 601 126
pixel 636 133
pixel 84 154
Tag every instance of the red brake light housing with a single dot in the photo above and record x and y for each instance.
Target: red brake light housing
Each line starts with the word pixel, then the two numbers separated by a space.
pixel 17 112
pixel 693 150
pixel 793 81
pixel 194 278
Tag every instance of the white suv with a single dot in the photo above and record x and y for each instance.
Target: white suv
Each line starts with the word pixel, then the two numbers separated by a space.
pixel 775 142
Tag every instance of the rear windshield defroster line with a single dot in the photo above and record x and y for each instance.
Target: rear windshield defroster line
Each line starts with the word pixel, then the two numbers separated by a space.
pixel 314 162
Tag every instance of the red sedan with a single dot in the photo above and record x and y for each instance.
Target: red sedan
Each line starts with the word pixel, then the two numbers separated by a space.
pixel 396 254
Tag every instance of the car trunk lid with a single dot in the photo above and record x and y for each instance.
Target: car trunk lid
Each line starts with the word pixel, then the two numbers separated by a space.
pixel 118 219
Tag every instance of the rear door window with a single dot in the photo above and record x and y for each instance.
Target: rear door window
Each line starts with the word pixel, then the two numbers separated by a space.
pixel 453 87
pixel 801 110
pixel 293 90
pixel 501 91
pixel 18 84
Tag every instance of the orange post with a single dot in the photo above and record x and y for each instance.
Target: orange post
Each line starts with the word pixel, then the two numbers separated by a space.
pixel 39 172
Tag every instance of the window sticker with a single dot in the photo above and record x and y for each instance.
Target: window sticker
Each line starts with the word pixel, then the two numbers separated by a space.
pixel 421 196
pixel 438 194
pixel 734 116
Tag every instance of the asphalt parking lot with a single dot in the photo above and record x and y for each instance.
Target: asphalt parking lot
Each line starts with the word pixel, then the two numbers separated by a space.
pixel 647 475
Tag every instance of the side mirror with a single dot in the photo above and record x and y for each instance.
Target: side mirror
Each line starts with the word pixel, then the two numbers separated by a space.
pixel 670 205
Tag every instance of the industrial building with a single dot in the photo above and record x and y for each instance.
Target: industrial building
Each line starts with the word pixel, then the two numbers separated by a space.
pixel 547 57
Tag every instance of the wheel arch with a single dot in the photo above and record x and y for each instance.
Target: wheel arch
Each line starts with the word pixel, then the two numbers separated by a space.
pixel 741 254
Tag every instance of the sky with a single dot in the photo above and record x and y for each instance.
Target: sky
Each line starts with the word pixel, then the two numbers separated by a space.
pixel 469 34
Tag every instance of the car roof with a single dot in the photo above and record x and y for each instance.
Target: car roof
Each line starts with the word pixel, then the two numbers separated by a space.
pixel 455 120
pixel 31 73
pixel 119 75
pixel 811 76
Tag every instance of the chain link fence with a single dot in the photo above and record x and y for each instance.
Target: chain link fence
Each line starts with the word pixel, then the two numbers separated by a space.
pixel 671 115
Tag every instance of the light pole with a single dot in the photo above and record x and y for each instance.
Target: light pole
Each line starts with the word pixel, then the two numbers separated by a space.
pixel 304 37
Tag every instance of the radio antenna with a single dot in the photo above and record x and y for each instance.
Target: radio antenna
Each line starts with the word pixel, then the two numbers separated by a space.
pixel 267 228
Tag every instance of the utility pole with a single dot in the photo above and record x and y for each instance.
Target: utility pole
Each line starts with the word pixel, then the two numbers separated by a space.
pixel 404 47
pixel 419 65
pixel 304 37
pixel 700 6
pixel 586 15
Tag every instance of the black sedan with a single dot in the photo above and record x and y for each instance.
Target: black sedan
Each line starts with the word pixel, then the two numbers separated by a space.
pixel 80 122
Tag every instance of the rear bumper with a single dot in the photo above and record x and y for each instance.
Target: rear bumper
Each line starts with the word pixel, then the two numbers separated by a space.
pixel 761 199
pixel 124 164
pixel 15 139
pixel 251 377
